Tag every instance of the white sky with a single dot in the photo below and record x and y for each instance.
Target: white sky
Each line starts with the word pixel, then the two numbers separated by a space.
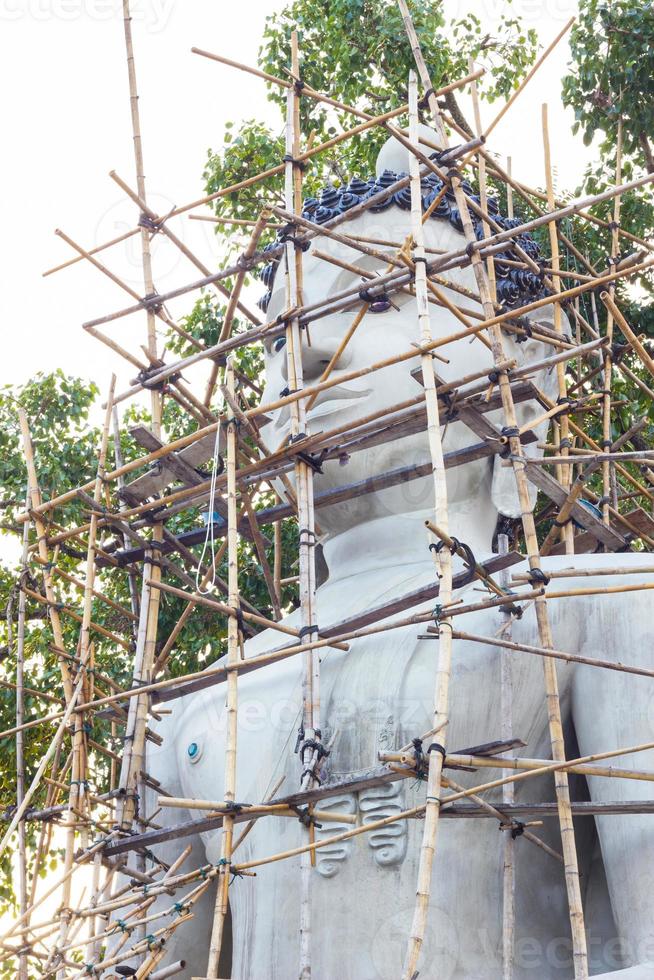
pixel 65 118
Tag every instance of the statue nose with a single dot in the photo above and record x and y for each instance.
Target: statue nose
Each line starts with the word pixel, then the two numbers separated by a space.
pixel 317 353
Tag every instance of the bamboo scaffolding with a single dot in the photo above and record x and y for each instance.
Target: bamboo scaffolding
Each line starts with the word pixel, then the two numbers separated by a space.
pixel 77 802
pixel 549 768
pixel 410 270
pixel 554 713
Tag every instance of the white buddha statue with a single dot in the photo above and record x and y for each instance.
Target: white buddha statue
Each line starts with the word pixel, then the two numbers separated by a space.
pixel 377 696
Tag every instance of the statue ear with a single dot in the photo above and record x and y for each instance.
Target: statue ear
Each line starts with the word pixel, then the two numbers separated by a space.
pixel 504 492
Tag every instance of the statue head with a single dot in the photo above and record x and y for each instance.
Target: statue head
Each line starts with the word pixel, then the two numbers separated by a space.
pixel 479 489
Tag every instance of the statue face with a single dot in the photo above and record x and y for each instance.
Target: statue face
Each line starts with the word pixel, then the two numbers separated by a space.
pixel 380 336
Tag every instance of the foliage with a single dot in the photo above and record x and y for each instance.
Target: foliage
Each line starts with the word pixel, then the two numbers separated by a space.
pixel 612 46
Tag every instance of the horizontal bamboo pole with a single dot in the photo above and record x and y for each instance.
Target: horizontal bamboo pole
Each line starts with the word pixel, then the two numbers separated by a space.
pixel 495 641
pixel 254 809
pixel 547 769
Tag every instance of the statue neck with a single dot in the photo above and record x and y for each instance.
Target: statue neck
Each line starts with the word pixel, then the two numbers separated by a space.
pixel 397 542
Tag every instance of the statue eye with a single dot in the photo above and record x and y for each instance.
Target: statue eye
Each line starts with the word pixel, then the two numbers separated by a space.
pixel 278 344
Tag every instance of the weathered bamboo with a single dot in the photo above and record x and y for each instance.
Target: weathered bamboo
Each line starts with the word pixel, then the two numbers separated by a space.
pixel 614 258
pixel 417 811
pixel 310 749
pixel 20 748
pixel 629 334
pixel 77 802
pixel 564 473
pixel 554 712
pixel 530 74
pixel 134 757
pixel 508 793
pixel 557 654
pixel 443 563
pixel 159 224
pixel 234 640
pixel 232 305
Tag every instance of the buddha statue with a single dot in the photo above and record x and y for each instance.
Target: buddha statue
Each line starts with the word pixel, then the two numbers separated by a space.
pixel 378 695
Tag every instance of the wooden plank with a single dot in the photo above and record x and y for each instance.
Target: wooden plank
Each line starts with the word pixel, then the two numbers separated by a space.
pixel 183 467
pixel 416 597
pixel 368 618
pixel 518 811
pixel 553 489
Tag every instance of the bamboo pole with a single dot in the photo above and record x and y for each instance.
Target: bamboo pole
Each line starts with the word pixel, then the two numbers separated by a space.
pixel 508 793
pixel 554 712
pixel 20 747
pixel 443 563
pixel 134 760
pixel 629 334
pixel 41 532
pixel 530 74
pixel 418 811
pixel 234 640
pixel 614 258
pixel 77 799
pixel 564 474
pixel 228 320
pixel 310 747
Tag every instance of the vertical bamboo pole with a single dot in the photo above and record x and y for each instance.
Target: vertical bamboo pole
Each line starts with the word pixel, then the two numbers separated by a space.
pixel 509 189
pixel 140 184
pixel 78 796
pixel 234 640
pixel 119 460
pixel 277 556
pixel 41 537
pixel 545 634
pixel 20 743
pixel 309 742
pixel 567 533
pixel 131 776
pixel 608 356
pixel 443 557
pixel 126 805
pixel 508 790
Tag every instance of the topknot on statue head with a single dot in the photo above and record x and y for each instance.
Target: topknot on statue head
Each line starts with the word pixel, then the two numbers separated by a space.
pixel 515 287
